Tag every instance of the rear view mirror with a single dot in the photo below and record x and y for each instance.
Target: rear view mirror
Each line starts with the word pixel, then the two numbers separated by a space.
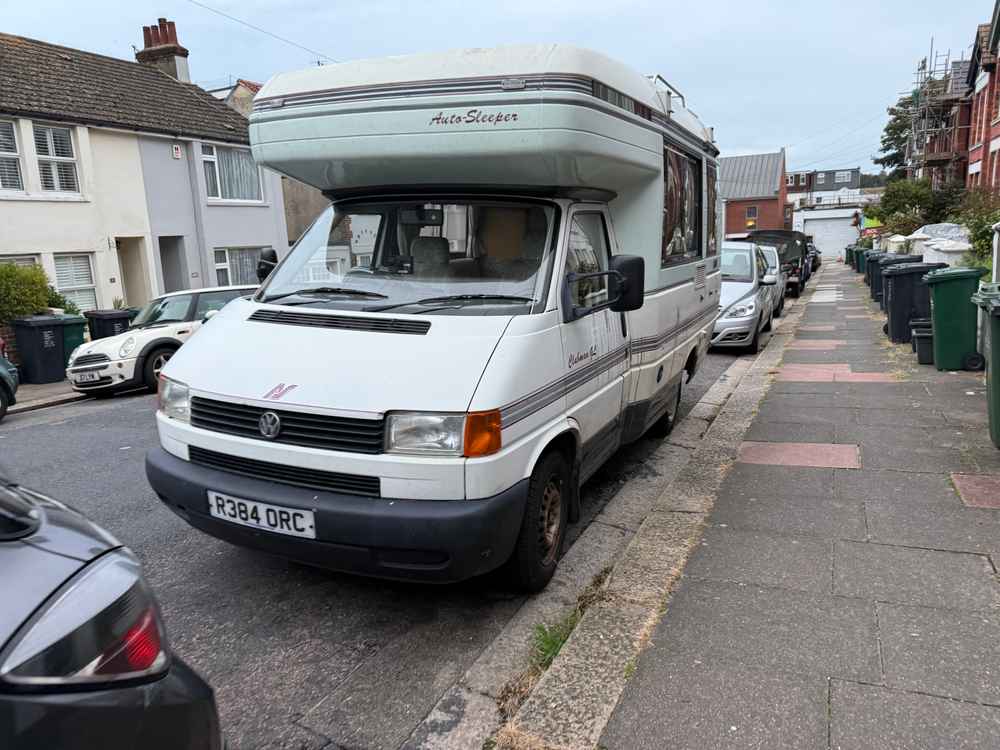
pixel 209 314
pixel 769 280
pixel 628 279
pixel 268 260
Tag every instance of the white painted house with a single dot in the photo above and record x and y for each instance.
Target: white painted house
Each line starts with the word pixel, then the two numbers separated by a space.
pixel 122 179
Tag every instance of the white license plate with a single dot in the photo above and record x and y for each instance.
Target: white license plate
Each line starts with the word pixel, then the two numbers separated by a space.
pixel 280 520
pixel 87 377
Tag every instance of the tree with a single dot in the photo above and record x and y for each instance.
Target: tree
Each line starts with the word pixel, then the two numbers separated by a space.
pixel 874 180
pixel 903 197
pixel 895 138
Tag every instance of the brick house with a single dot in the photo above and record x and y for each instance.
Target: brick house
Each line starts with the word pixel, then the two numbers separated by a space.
pixel 754 190
pixel 945 157
pixel 984 129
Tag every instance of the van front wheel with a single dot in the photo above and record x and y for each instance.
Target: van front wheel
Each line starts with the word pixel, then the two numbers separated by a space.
pixel 543 527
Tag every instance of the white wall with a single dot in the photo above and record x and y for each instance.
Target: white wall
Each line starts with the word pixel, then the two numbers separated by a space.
pixel 110 204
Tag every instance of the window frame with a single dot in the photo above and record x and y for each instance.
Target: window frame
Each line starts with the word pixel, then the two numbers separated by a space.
pixel 13 258
pixel 574 311
pixel 213 160
pixel 695 164
pixel 841 176
pixel 14 156
pixel 821 178
pixel 755 215
pixel 52 157
pixel 93 276
pixel 803 179
pixel 789 180
pixel 228 265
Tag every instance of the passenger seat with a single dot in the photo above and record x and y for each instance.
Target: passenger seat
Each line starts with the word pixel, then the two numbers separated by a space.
pixel 431 256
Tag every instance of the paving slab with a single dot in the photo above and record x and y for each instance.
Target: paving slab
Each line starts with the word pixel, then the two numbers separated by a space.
pixel 942 652
pixel 868 716
pixel 772 628
pixel 777 412
pixel 791 431
pixel 906 575
pixel 933 526
pixel 917 459
pixel 978 490
pixel 887 484
pixel 790 561
pixel 686 704
pixel 756 480
pixel 817 455
pixel 816 516
pixel 946 437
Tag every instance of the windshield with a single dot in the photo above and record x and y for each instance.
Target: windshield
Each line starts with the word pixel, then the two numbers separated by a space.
pixel 737 264
pixel 465 257
pixel 163 310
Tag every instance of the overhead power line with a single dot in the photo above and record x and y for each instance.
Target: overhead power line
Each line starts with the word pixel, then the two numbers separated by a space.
pixel 263 31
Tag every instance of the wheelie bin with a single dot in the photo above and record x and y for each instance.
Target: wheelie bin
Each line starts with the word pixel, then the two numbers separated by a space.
pixel 954 317
pixel 870 257
pixel 104 323
pixel 72 331
pixel 907 298
pixel 886 262
pixel 988 300
pixel 40 346
pixel 874 273
pixel 849 255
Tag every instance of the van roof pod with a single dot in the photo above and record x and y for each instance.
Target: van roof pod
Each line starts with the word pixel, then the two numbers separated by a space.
pixel 531 116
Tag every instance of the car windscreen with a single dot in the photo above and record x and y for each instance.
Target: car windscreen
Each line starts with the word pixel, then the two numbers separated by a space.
pixel 457 256
pixel 171 309
pixel 737 264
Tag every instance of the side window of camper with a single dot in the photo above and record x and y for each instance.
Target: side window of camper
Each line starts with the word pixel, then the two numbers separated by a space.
pixel 588 253
pixel 682 204
pixel 712 245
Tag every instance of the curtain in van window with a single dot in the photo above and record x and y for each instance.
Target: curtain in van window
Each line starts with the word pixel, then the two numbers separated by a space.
pixel 681 209
pixel 713 210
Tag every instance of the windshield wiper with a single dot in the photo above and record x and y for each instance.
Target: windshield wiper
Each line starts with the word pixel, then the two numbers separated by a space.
pixel 323 290
pixel 452 298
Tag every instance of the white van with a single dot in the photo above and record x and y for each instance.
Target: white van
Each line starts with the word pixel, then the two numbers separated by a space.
pixel 518 270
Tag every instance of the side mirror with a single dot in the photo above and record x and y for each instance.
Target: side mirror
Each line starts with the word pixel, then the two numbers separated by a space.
pixel 769 280
pixel 209 315
pixel 627 282
pixel 268 260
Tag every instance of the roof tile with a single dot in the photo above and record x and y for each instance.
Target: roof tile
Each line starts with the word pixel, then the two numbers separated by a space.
pixel 751 176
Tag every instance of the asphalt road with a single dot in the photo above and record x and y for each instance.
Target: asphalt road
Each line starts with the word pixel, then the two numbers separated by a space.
pixel 363 659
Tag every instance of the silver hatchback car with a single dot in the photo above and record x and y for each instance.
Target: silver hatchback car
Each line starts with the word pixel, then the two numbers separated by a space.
pixel 747 305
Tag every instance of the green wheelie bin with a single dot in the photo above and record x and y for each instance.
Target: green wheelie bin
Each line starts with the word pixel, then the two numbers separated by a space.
pixel 988 299
pixel 954 318
pixel 73 327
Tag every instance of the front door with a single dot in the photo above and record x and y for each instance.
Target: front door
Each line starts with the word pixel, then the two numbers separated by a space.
pixel 594 349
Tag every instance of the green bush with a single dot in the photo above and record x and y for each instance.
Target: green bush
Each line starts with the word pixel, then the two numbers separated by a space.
pixel 978 213
pixel 24 290
pixel 57 300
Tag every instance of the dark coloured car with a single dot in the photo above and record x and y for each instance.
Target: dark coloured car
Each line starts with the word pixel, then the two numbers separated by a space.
pixel 792 247
pixel 9 381
pixel 84 661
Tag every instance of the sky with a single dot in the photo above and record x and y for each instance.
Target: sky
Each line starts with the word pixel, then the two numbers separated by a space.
pixel 814 78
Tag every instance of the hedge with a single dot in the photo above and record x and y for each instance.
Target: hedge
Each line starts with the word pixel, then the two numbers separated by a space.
pixel 24 290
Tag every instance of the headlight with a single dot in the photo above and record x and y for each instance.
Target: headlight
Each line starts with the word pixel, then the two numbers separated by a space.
pixel 425 433
pixel 741 310
pixel 175 399
pixel 470 435
pixel 127 348
pixel 102 626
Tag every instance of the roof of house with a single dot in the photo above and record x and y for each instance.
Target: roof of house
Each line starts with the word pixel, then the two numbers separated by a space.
pixel 252 86
pixel 47 81
pixel 751 176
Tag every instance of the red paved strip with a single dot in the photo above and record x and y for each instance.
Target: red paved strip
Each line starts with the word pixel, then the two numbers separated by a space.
pixel 978 490
pixel 815 455
pixel 830 373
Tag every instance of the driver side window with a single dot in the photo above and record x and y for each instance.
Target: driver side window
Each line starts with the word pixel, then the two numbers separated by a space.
pixel 588 253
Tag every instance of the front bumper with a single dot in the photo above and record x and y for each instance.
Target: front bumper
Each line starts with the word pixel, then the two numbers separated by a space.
pixel 115 375
pixel 734 331
pixel 176 711
pixel 424 540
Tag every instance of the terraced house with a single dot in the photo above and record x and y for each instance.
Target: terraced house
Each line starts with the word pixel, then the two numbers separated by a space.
pixel 123 179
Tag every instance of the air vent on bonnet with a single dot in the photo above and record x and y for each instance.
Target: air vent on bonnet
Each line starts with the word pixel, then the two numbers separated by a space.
pixel 344 322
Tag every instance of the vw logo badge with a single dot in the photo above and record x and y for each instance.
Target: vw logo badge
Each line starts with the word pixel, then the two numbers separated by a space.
pixel 269 424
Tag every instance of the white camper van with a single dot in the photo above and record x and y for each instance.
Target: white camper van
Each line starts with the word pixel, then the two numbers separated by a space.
pixel 518 270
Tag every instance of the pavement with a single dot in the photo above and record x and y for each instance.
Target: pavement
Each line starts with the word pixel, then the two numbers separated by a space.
pixel 32 396
pixel 303 658
pixel 844 591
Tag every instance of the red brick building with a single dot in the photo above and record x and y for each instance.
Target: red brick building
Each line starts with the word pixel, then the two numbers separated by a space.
pixel 984 127
pixel 753 187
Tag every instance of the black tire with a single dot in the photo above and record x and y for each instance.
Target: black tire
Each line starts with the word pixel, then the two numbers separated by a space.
pixel 767 325
pixel 155 361
pixel 539 544
pixel 754 346
pixel 4 402
pixel 973 362
pixel 781 307
pixel 665 424
pixel 796 290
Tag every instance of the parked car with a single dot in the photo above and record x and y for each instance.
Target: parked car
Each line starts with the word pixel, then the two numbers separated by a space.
pixel 9 380
pixel 793 253
pixel 746 297
pixel 84 659
pixel 135 357
pixel 774 269
pixel 817 256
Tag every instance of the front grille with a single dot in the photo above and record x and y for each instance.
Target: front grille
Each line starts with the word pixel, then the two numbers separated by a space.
pixel 330 481
pixel 90 359
pixel 297 428
pixel 344 322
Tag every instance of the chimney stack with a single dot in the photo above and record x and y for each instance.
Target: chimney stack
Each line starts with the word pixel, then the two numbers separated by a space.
pixel 162 50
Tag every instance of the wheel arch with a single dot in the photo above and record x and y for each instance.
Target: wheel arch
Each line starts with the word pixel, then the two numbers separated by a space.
pixel 565 437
